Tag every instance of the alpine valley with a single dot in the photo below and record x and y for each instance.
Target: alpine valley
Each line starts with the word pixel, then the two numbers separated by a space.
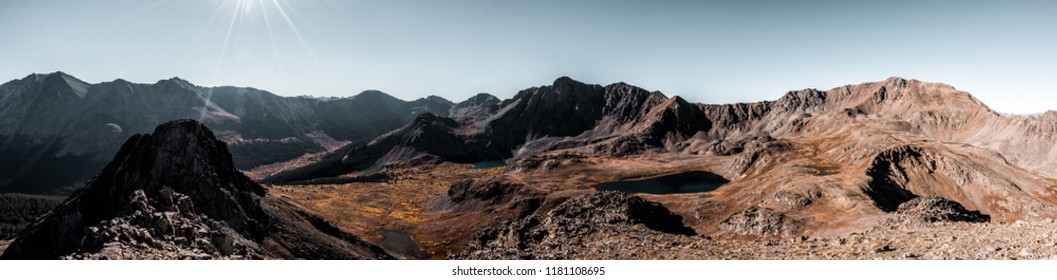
pixel 894 169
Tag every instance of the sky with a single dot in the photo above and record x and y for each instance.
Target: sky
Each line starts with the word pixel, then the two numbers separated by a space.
pixel 1003 52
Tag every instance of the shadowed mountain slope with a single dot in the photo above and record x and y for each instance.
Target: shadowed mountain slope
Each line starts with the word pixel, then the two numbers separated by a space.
pixel 56 131
pixel 615 119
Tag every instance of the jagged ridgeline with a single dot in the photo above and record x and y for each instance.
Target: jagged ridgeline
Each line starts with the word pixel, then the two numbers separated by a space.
pixel 56 131
pixel 811 163
pixel 617 119
pixel 887 141
pixel 176 194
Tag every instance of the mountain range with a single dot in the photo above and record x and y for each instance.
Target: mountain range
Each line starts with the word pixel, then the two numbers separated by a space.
pixel 613 120
pixel 56 130
pixel 811 163
pixel 860 158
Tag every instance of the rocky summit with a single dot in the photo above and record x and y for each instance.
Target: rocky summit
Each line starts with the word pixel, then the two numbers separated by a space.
pixel 175 194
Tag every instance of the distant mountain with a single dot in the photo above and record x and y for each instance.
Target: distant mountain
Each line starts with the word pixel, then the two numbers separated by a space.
pixel 614 119
pixel 883 143
pixel 478 106
pixel 873 146
pixel 175 194
pixel 56 130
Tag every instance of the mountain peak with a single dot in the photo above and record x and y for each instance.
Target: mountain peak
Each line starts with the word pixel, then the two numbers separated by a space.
pixel 178 79
pixel 173 194
pixel 479 106
pixel 183 155
pixel 373 94
pixel 565 81
pixel 899 96
pixel 41 76
pixel 437 99
pixel 174 81
pixel 900 82
pixel 482 98
pixel 181 167
pixel 63 83
pixel 59 74
pixel 802 99
pixel 897 81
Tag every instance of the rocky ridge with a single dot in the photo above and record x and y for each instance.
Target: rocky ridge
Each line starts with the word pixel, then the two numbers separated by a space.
pixel 58 130
pixel 175 194
pixel 616 119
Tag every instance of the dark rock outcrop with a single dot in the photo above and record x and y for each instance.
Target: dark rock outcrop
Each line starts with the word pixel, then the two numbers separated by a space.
pixel 175 193
pixel 546 161
pixel 755 221
pixel 478 194
pixel 563 232
pixel 932 209
pixel 888 176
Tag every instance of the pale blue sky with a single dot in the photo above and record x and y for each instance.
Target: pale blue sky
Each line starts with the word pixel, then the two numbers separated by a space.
pixel 1004 52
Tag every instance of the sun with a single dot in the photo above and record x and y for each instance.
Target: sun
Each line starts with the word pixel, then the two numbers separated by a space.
pixel 264 9
pixel 247 6
pixel 248 12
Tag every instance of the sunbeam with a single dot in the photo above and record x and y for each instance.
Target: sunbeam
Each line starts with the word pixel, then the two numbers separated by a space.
pixel 271 38
pixel 243 13
pixel 297 33
pixel 227 37
pixel 198 36
pixel 235 20
pixel 144 10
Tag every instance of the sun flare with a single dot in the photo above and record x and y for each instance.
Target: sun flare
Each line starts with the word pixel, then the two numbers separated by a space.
pixel 253 12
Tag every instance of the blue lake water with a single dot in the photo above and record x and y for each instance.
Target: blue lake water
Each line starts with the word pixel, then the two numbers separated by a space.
pixel 689 182
pixel 489 164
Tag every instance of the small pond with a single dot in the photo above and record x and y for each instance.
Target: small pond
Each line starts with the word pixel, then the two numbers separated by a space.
pixel 688 182
pixel 396 242
pixel 824 170
pixel 489 164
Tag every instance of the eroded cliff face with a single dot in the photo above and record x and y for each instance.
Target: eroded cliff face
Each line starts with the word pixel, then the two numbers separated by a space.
pixel 175 193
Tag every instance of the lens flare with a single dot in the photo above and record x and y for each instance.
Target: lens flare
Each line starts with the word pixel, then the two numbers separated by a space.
pixel 254 12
